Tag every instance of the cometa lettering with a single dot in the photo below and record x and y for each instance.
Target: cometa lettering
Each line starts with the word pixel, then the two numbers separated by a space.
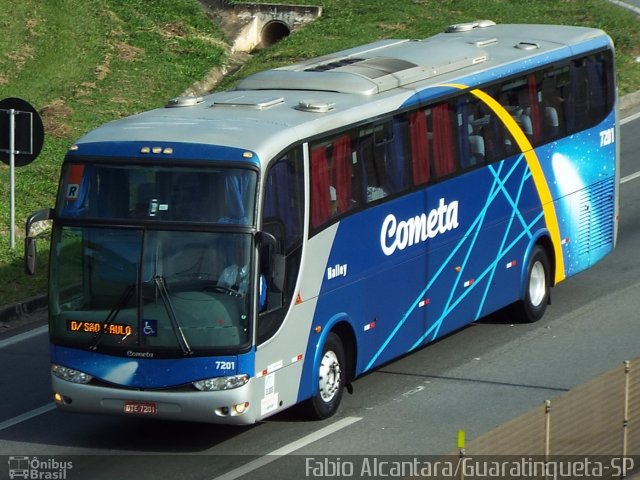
pixel 398 235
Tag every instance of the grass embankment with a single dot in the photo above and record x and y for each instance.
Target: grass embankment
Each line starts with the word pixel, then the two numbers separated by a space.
pixel 85 63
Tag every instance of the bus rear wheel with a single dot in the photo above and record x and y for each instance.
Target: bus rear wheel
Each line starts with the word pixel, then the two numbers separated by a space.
pixel 331 375
pixel 537 287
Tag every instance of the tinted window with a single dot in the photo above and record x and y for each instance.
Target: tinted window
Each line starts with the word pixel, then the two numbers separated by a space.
pixel 220 195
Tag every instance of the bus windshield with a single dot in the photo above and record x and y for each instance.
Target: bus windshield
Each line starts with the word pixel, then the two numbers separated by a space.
pixel 157 194
pixel 152 292
pixel 153 260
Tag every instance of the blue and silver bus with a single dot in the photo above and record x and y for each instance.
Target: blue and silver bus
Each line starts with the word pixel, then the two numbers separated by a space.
pixel 228 256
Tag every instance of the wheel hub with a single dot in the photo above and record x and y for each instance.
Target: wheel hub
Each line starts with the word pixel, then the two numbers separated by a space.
pixel 537 284
pixel 329 381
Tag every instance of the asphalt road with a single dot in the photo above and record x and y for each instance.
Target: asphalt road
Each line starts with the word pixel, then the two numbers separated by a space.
pixel 473 380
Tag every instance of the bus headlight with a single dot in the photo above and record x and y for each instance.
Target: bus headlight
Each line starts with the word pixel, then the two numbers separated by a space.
pixel 221 383
pixel 70 375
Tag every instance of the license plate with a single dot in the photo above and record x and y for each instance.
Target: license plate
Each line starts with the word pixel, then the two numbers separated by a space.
pixel 141 408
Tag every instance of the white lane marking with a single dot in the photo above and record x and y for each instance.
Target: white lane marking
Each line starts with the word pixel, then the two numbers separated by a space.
pixel 630 118
pixel 27 416
pixel 287 449
pixel 24 336
pixel 628 178
pixel 40 410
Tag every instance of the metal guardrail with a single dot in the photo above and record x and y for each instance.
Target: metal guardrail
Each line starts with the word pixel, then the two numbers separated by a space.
pixel 598 419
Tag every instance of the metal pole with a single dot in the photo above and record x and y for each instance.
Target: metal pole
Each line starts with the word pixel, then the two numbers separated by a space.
pixel 12 177
pixel 625 421
pixel 547 435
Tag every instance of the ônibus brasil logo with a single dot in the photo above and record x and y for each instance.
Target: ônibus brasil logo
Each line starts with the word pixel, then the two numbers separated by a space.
pixel 396 235
pixel 35 468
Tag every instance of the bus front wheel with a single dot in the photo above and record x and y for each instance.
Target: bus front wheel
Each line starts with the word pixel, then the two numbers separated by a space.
pixel 537 287
pixel 331 375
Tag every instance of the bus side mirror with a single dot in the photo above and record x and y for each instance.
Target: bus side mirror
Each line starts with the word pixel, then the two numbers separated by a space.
pixel 30 255
pixel 30 242
pixel 273 261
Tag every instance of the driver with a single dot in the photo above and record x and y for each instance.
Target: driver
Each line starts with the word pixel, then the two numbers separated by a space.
pixel 236 277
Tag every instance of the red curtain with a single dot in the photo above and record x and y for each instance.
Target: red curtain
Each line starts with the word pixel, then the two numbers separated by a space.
pixel 320 199
pixel 341 160
pixel 442 140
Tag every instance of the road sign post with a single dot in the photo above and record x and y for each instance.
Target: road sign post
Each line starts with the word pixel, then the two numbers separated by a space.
pixel 21 133
pixel 12 178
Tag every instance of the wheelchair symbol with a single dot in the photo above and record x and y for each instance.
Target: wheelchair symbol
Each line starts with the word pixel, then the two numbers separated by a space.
pixel 150 328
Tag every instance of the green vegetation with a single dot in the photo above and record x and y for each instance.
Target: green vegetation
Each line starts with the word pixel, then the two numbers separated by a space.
pixel 85 63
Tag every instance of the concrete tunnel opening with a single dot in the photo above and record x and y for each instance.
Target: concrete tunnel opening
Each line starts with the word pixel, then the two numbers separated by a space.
pixel 247 27
pixel 273 32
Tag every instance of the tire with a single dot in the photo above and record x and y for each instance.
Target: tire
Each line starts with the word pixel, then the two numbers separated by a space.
pixel 331 375
pixel 537 286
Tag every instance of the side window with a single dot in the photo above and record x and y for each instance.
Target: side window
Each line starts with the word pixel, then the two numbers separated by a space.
pixel 520 99
pixel 433 146
pixel 435 141
pixel 602 85
pixel 578 96
pixel 444 143
pixel 558 101
pixel 332 179
pixel 383 154
pixel 473 120
pixel 371 157
pixel 589 94
pixel 554 88
pixel 282 217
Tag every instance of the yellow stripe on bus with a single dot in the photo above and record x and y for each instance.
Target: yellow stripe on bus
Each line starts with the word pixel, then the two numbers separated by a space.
pixel 550 217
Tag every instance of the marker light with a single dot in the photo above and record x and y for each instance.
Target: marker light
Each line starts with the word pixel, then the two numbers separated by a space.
pixel 240 408
pixel 62 399
pixel 221 383
pixel 233 410
pixel 70 375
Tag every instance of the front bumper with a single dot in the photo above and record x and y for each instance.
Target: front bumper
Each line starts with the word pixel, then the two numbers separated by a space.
pixel 196 406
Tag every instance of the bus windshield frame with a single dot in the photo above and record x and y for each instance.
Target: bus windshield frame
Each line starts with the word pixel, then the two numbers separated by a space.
pixel 158 276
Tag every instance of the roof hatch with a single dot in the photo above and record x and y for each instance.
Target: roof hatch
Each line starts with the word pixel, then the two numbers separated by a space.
pixel 257 100
pixel 467 27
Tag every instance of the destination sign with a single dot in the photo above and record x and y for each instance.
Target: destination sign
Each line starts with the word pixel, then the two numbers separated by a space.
pixel 99 327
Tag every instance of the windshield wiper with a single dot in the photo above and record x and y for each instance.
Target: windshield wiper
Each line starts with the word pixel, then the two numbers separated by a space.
pixel 124 299
pixel 168 305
